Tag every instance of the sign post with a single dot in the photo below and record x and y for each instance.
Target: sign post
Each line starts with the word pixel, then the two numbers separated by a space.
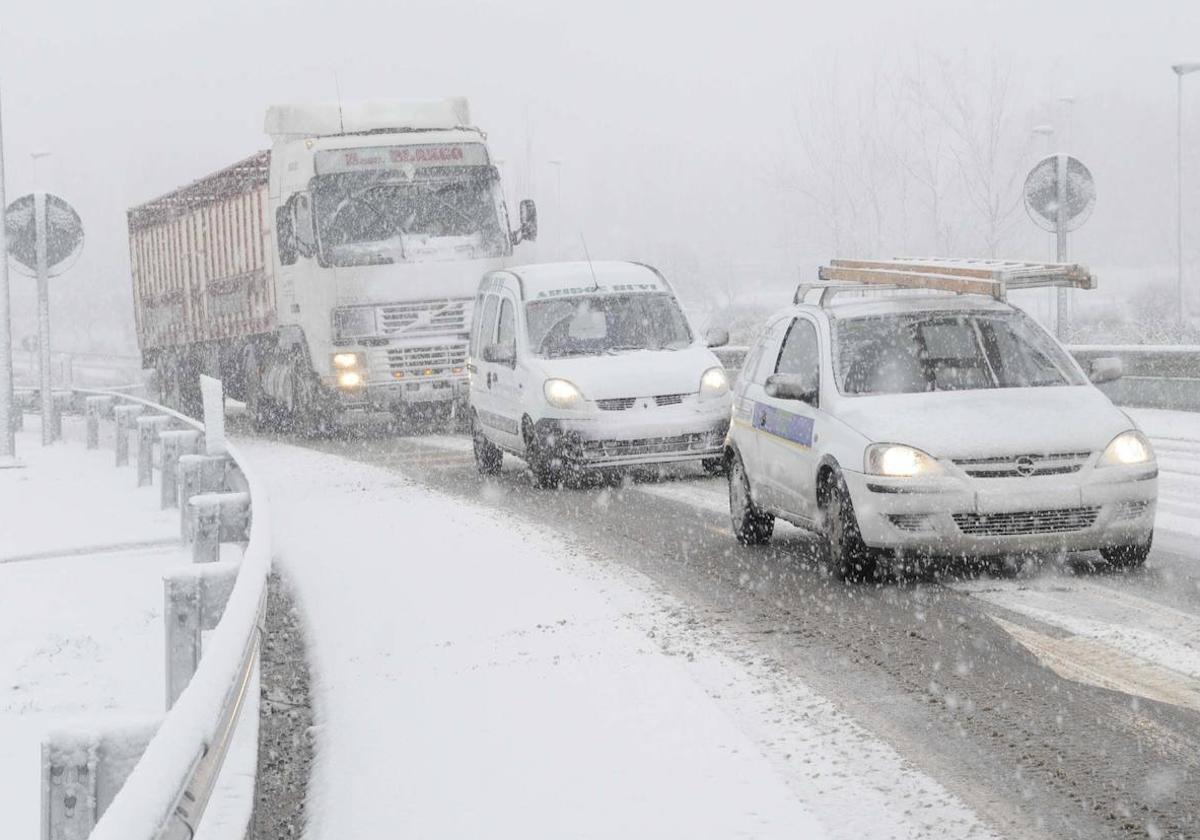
pixel 8 449
pixel 43 307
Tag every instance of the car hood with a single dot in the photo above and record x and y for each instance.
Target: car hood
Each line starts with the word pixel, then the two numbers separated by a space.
pixel 637 373
pixel 1000 421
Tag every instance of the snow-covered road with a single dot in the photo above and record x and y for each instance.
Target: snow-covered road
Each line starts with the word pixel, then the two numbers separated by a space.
pixel 475 675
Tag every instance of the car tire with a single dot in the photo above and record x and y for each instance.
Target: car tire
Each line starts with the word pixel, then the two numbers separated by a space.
pixel 849 557
pixel 1127 556
pixel 489 458
pixel 751 526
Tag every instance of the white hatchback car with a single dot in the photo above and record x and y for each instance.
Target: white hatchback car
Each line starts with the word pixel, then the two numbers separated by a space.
pixel 933 425
pixel 579 366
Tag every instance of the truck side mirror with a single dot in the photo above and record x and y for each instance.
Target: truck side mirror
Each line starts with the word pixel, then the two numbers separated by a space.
pixel 529 225
pixel 300 219
pixel 285 236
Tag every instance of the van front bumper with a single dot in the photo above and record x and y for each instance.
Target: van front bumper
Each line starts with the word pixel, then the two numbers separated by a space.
pixel 666 435
pixel 1104 507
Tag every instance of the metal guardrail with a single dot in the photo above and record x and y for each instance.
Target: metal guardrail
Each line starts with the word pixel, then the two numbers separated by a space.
pixel 154 783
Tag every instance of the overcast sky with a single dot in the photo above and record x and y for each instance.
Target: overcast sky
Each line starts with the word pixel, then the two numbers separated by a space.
pixel 663 115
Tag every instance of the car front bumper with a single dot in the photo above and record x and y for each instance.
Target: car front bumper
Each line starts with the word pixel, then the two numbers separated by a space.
pixel 953 516
pixel 629 438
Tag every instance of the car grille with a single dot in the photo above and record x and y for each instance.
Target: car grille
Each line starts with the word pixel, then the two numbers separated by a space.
pixel 912 522
pixel 441 359
pixel 424 317
pixel 595 450
pixel 626 403
pixel 1057 521
pixel 1021 466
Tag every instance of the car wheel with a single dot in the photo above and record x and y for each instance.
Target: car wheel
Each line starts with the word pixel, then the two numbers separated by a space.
pixel 489 458
pixel 1127 556
pixel 849 557
pixel 750 525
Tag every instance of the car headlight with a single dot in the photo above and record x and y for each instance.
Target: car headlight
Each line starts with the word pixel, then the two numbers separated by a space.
pixel 345 361
pixel 714 383
pixel 561 393
pixel 900 461
pixel 1126 449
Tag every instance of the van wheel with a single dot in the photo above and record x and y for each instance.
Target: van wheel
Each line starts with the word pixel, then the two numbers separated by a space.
pixel 713 466
pixel 750 525
pixel 1127 556
pixel 849 557
pixel 546 472
pixel 489 458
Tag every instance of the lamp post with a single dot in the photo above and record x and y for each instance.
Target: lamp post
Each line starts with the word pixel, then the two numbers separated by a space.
pixel 1181 69
pixel 7 446
pixel 1046 132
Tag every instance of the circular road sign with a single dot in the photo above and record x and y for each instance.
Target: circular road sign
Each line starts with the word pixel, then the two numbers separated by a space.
pixel 1041 193
pixel 64 234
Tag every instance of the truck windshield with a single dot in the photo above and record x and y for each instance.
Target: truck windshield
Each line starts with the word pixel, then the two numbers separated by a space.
pixel 594 325
pixel 904 354
pixel 382 216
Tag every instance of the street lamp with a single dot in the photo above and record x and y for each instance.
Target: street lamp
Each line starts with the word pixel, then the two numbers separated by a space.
pixel 1181 69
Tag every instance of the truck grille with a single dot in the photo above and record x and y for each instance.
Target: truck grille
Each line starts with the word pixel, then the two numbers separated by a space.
pixel 626 403
pixel 1022 466
pixel 1057 521
pixel 423 317
pixel 698 442
pixel 437 360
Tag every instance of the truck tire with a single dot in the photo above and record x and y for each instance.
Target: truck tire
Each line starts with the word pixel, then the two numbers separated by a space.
pixel 850 559
pixel 751 526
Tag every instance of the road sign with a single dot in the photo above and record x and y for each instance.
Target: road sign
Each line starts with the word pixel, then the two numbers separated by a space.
pixel 64 234
pixel 1042 195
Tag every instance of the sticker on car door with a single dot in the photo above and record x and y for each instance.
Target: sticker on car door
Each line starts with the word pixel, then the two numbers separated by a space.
pixel 784 424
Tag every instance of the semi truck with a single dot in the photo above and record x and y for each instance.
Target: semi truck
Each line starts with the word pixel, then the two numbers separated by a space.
pixel 332 275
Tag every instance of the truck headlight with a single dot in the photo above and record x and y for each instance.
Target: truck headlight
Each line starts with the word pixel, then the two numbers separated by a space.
pixel 899 461
pixel 349 379
pixel 345 361
pixel 1126 449
pixel 714 383
pixel 562 393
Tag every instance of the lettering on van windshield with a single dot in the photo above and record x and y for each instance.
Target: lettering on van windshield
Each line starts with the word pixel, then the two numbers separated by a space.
pixel 599 290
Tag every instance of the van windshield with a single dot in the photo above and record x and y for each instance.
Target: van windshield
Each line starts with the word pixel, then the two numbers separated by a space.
pixel 910 353
pixel 595 325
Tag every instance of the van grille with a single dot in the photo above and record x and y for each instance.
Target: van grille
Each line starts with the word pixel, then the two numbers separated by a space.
pixel 1020 466
pixel 699 442
pixel 626 403
pixel 1057 521
pixel 424 317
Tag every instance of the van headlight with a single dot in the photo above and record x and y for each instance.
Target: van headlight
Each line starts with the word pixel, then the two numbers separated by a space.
pixel 1127 449
pixel 562 393
pixel 899 461
pixel 714 383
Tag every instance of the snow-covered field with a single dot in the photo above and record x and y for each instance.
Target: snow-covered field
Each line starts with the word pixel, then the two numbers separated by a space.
pixel 475 676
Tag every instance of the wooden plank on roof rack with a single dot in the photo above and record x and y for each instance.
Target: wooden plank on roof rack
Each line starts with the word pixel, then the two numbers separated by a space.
pixel 913 279
pixel 951 269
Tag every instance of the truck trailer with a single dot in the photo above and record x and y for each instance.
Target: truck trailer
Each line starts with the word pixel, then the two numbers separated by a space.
pixel 332 275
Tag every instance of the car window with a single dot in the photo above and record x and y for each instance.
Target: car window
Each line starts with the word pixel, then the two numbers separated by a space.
pixel 801 354
pixel 765 364
pixel 507 331
pixel 487 322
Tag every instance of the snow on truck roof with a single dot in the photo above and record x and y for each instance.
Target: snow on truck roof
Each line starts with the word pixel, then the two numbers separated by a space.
pixel 545 280
pixel 327 118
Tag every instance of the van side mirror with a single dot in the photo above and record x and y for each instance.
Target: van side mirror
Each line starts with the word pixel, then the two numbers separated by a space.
pixel 716 337
pixel 789 386
pixel 528 230
pixel 500 354
pixel 1105 369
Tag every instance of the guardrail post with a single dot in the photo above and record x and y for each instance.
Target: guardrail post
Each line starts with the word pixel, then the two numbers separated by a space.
pixel 194 600
pixel 95 407
pixel 175 444
pixel 82 773
pixel 149 426
pixel 125 415
pixel 198 474
pixel 59 402
pixel 214 518
pixel 18 416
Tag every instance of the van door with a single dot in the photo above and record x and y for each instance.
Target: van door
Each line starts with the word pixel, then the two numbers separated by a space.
pixel 748 393
pixel 506 385
pixel 787 426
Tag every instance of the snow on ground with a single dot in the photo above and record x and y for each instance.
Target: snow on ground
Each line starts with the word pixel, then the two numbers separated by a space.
pixel 475 676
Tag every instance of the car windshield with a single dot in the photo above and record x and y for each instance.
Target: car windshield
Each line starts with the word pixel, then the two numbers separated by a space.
pixel 593 325
pixel 367 218
pixel 904 354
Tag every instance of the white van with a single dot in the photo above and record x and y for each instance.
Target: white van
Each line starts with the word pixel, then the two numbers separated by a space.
pixel 578 366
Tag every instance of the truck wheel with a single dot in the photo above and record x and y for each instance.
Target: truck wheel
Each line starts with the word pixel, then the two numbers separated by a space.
pixel 750 525
pixel 1127 556
pixel 489 458
pixel 849 557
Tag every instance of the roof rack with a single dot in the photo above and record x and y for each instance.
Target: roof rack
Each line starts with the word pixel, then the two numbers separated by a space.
pixel 994 278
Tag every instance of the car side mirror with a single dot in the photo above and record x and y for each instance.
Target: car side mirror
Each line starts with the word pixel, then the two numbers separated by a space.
pixel 789 386
pixel 528 230
pixel 500 354
pixel 1105 369
pixel 716 337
